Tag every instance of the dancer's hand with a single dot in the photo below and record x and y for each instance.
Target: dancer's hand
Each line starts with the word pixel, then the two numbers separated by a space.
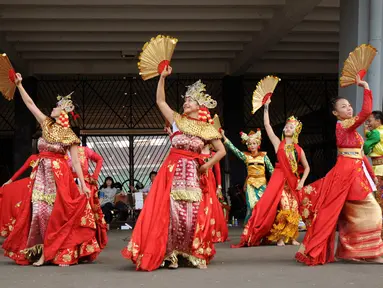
pixel 376 181
pixel 268 101
pixel 18 79
pixel 361 83
pixel 300 185
pixel 86 191
pixel 8 182
pixel 168 130
pixel 204 168
pixel 167 71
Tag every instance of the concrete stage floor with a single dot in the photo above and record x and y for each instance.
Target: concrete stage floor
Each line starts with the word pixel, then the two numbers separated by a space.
pixel 269 266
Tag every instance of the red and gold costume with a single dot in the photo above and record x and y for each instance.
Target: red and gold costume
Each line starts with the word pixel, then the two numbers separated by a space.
pixel 177 218
pixel 60 222
pixel 85 155
pixel 343 197
pixel 266 223
pixel 11 196
pixel 220 226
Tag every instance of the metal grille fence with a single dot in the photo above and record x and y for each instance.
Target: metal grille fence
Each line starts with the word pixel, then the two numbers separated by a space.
pixel 307 99
pixel 126 106
pixel 120 103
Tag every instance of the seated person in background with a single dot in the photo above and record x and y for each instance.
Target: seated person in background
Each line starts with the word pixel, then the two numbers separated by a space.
pixel 152 175
pixel 107 194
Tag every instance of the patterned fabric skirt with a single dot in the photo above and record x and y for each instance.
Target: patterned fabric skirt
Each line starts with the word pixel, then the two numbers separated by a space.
pixel 43 197
pixel 252 197
pixel 183 219
pixel 286 223
pixel 360 225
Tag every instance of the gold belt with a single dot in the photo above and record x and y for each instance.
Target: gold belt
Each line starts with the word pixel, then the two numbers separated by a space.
pixel 355 153
pixel 377 161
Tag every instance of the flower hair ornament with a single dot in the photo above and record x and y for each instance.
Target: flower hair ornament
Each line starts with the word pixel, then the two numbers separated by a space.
pixel 65 103
pixel 252 136
pixel 204 115
pixel 298 128
pixel 197 93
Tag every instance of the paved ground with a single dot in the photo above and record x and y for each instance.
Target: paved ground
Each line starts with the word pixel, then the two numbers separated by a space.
pixel 248 267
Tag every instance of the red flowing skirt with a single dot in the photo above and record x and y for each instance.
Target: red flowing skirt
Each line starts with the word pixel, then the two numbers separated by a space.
pixel 70 232
pixel 264 213
pixel 221 232
pixel 148 245
pixel 338 199
pixel 11 196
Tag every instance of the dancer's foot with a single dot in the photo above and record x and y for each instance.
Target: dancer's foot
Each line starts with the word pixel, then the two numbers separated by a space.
pixel 295 243
pixel 202 266
pixel 281 243
pixel 40 262
pixel 63 265
pixel 173 266
pixel 377 260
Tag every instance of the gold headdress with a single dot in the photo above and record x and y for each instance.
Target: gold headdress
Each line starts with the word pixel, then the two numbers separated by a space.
pixel 65 103
pixel 252 136
pixel 197 93
pixel 298 127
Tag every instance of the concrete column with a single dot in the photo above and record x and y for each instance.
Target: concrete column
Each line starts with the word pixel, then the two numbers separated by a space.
pixel 374 73
pixel 354 30
pixel 25 125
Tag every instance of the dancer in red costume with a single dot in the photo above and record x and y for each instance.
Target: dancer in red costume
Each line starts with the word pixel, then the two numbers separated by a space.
pixel 59 226
pixel 85 155
pixel 176 220
pixel 11 196
pixel 265 225
pixel 221 231
pixel 343 197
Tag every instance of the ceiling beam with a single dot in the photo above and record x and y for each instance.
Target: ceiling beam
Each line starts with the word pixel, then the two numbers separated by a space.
pixel 324 14
pixel 19 64
pixel 293 55
pixel 329 3
pixel 131 47
pixel 103 67
pixel 115 67
pixel 320 47
pixel 312 37
pixel 135 13
pixel 283 21
pixel 122 37
pixel 295 67
pixel 145 3
pixel 317 26
pixel 115 55
pixel 152 26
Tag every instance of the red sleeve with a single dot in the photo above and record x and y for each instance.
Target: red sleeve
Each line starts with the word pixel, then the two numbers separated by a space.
pixel 369 168
pixel 93 156
pixel 24 167
pixel 217 173
pixel 366 110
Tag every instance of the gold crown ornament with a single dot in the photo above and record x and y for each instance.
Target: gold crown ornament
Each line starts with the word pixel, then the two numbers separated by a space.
pixel 298 127
pixel 65 102
pixel 197 93
pixel 252 136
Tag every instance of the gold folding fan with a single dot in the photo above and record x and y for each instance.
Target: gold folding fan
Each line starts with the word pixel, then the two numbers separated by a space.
pixel 156 55
pixel 357 63
pixel 7 77
pixel 264 91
